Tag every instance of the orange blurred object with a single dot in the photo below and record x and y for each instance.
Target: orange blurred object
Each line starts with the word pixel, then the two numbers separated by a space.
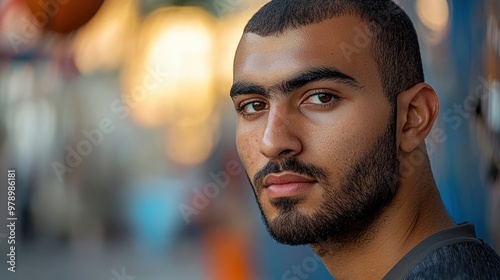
pixel 227 255
pixel 63 16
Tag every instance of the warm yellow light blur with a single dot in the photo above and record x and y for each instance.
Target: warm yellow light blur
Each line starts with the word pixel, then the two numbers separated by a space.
pixel 434 14
pixel 169 81
pixel 229 34
pixel 172 68
pixel 192 144
pixel 104 41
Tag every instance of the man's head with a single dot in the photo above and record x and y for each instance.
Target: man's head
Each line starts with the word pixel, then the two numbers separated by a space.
pixel 388 33
pixel 321 121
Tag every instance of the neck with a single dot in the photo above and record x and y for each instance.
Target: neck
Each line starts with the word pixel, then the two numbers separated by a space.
pixel 415 213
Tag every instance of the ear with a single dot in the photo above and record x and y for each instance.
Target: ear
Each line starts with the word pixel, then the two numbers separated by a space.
pixel 418 108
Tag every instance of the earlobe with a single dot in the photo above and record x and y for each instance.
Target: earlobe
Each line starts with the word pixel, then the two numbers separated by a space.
pixel 418 108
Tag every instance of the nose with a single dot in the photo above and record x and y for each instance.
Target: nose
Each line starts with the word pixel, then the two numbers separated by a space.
pixel 280 137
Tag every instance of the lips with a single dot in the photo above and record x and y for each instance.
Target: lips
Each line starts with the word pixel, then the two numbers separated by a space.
pixel 287 184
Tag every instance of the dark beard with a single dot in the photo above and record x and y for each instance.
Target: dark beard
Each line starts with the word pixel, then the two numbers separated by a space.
pixel 350 209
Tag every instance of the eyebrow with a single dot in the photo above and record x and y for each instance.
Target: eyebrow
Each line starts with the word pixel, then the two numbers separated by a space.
pixel 301 80
pixel 240 88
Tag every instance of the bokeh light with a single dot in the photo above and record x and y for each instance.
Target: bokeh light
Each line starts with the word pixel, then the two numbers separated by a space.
pixel 434 14
pixel 116 21
pixel 169 76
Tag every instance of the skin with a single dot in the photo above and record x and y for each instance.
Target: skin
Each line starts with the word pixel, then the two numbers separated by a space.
pixel 334 134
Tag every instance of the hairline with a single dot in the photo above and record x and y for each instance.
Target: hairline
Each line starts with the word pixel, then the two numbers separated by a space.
pixel 348 11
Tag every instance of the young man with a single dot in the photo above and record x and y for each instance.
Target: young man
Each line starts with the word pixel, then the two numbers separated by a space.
pixel 333 111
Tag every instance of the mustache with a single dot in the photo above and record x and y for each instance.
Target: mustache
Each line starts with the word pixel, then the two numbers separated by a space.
pixel 291 164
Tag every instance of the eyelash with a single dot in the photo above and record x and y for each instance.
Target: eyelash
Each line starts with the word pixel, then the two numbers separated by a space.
pixel 335 98
pixel 242 105
pixel 240 108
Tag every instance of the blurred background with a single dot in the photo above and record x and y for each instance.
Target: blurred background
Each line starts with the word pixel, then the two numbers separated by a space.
pixel 116 116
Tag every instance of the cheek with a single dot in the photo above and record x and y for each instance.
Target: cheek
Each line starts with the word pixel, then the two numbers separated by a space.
pixel 346 135
pixel 248 150
pixel 335 148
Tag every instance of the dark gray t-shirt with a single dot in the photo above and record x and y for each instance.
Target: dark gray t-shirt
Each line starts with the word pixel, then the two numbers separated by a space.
pixel 454 253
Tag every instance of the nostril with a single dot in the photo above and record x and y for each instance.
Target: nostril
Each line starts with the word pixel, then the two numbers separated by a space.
pixel 285 152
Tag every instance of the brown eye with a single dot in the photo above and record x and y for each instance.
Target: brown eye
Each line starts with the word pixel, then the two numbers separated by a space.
pixel 321 98
pixel 254 107
pixel 325 98
pixel 258 106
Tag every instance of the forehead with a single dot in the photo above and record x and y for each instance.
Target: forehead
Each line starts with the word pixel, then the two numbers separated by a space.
pixel 341 42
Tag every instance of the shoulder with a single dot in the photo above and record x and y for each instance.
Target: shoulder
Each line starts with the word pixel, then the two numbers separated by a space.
pixel 454 253
pixel 463 260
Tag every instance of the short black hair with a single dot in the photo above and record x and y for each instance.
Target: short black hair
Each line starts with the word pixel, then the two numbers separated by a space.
pixel 395 47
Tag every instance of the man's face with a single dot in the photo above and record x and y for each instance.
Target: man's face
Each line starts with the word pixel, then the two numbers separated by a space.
pixel 315 133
